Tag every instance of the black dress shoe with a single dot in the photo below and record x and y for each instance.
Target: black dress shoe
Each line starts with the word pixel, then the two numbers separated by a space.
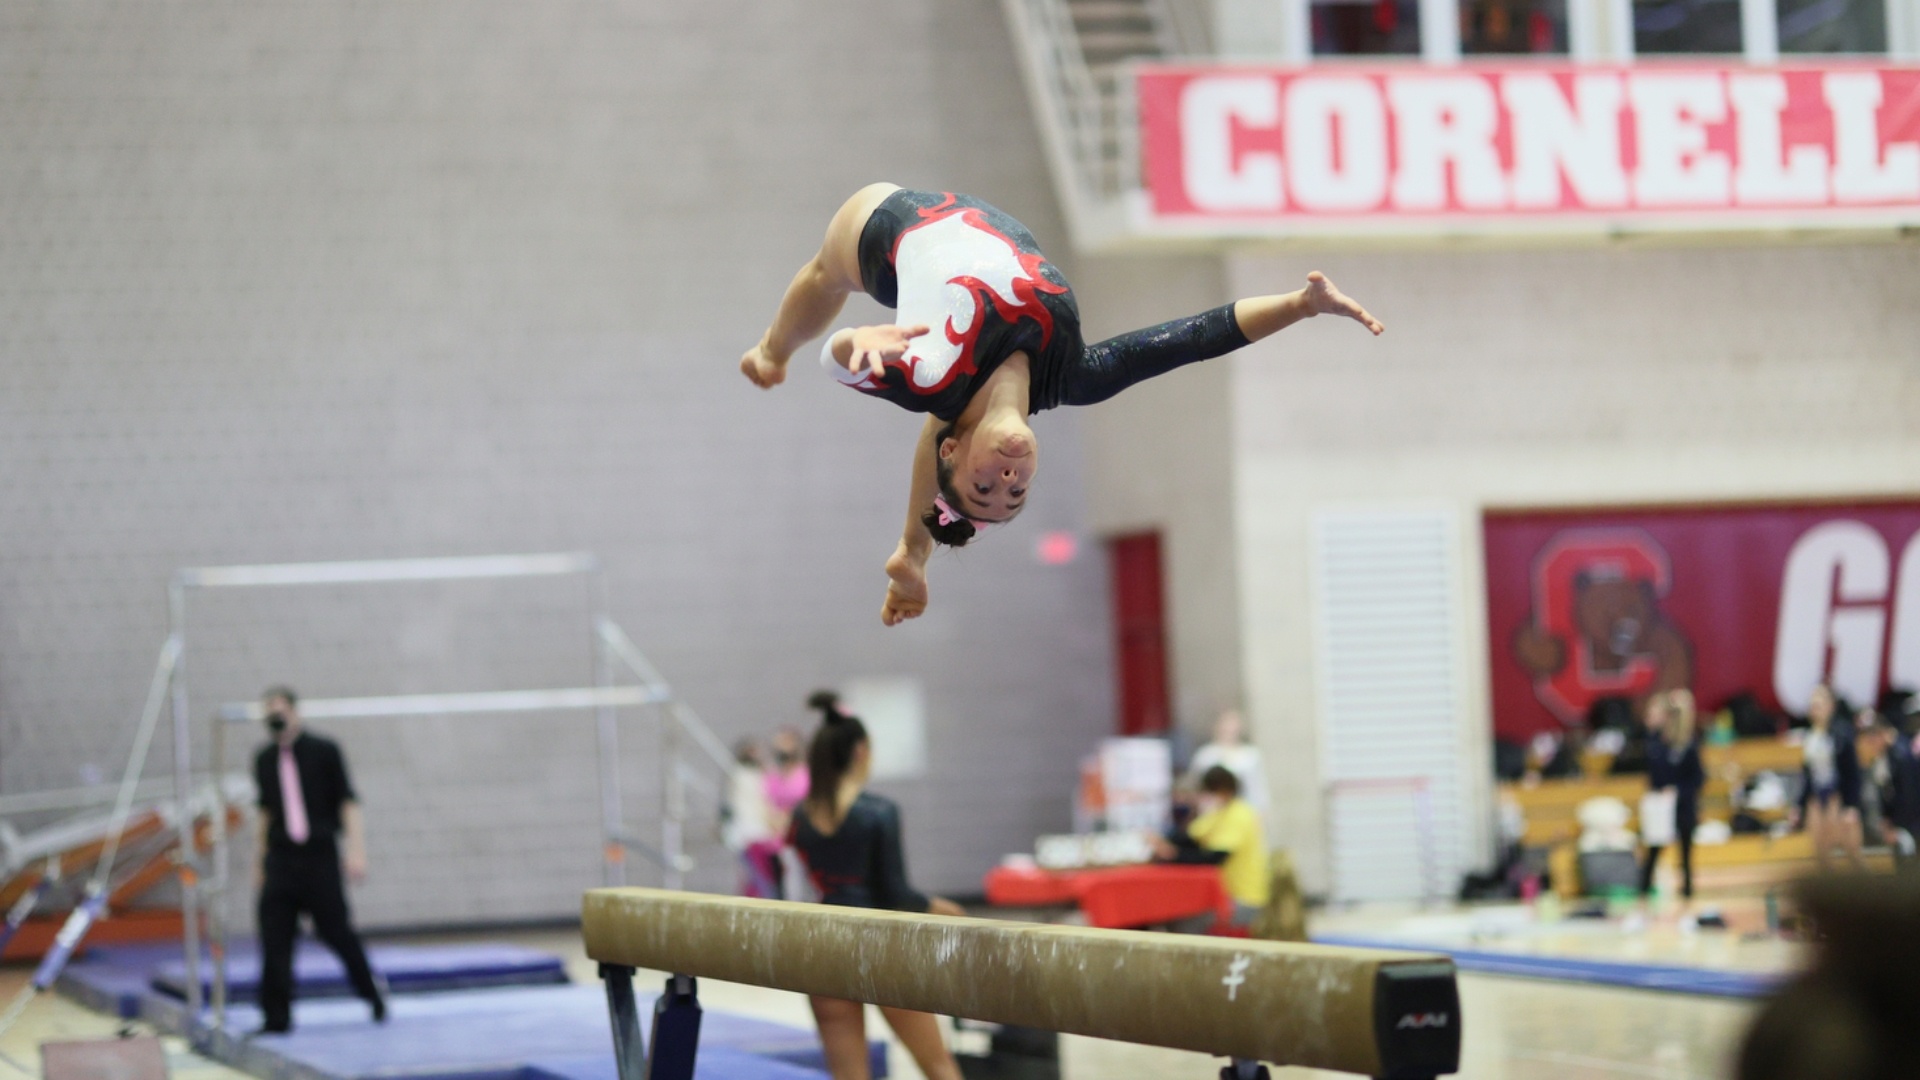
pixel 267 1029
pixel 379 1005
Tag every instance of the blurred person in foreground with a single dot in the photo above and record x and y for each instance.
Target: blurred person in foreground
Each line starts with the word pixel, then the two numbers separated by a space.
pixel 312 842
pixel 1855 1013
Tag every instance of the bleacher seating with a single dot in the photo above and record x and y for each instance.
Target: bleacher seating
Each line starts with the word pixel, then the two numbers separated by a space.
pixel 1549 808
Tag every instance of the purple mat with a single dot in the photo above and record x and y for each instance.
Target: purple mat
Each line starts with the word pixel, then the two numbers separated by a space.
pixel 406 968
pixel 495 1035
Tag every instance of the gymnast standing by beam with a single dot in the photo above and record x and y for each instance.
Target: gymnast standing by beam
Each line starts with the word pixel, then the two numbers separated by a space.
pixel 988 333
pixel 850 843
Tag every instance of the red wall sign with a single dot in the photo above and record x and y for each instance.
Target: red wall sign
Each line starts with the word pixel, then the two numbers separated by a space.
pixel 1269 149
pixel 1768 599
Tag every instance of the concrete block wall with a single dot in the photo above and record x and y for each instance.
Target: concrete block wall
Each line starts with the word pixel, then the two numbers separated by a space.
pixel 328 280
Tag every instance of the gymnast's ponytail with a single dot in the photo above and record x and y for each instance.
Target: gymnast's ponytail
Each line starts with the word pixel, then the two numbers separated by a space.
pixel 944 521
pixel 831 753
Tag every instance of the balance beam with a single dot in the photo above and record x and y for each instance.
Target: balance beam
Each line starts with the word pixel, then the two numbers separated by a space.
pixel 1368 1011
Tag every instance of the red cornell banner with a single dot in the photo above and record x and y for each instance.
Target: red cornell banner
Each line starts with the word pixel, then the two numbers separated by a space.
pixel 1235 149
pixel 1768 600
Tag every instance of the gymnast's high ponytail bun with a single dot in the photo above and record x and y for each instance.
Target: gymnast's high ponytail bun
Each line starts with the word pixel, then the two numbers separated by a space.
pixel 831 753
pixel 946 527
pixel 952 534
pixel 826 702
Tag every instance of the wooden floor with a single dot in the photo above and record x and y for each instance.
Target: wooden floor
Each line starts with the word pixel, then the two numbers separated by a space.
pixel 1515 1029
pixel 51 1018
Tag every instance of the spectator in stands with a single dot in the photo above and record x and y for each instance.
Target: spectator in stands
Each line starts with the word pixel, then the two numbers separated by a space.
pixel 786 778
pixel 747 828
pixel 1230 750
pixel 1900 798
pixel 1673 764
pixel 1829 781
pixel 1226 832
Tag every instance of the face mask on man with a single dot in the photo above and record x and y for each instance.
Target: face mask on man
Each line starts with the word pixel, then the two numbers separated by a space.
pixel 277 723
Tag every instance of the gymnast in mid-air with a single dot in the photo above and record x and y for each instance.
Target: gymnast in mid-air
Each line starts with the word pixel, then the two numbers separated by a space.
pixel 988 333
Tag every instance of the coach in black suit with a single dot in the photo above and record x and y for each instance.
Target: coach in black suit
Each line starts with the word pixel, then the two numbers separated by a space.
pixel 311 841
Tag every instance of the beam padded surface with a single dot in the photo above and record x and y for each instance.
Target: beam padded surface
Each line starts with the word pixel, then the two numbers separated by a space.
pixel 1367 1011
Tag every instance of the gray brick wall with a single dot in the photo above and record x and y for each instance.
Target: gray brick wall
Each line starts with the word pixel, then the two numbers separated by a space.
pixel 346 280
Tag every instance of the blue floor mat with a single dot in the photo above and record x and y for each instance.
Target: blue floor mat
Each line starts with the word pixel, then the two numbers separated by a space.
pixel 113 979
pixel 477 1035
pixel 713 1063
pixel 407 969
pixel 1668 977
pixel 474 1034
pixel 490 1034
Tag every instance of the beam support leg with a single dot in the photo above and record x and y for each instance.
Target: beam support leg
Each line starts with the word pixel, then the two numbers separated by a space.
pixel 1245 1070
pixel 676 1031
pixel 629 1053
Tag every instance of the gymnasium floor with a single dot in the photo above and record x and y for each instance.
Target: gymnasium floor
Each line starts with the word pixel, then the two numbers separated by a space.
pixel 1516 1029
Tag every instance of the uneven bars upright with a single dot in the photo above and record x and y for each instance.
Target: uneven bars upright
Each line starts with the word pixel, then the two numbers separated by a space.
pixel 359 571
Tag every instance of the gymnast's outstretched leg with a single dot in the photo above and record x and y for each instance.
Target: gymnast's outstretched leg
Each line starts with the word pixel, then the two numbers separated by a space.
pixel 1110 366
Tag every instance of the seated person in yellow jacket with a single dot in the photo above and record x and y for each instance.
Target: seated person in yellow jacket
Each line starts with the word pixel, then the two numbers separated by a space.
pixel 1226 832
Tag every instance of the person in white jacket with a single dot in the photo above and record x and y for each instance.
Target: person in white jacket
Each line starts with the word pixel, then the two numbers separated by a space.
pixel 747 828
pixel 1230 750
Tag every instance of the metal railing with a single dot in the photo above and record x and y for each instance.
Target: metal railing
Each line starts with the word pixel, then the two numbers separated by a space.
pixel 1087 117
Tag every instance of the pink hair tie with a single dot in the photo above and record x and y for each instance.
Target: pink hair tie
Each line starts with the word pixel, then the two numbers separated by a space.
pixel 948 515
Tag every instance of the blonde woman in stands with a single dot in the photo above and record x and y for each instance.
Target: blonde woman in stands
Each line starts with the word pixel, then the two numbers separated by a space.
pixel 1673 764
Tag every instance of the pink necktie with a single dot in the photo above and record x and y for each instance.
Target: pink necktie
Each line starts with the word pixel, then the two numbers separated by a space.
pixel 291 799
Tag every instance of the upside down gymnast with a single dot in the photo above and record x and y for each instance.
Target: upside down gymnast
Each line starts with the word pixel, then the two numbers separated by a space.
pixel 988 333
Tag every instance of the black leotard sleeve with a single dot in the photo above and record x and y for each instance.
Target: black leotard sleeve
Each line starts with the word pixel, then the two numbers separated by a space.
pixel 1105 368
pixel 889 875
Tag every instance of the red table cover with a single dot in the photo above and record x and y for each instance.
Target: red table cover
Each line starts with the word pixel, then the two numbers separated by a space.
pixel 1115 897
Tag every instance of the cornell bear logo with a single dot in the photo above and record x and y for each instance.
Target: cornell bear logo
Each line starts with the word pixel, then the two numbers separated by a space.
pixel 1597 629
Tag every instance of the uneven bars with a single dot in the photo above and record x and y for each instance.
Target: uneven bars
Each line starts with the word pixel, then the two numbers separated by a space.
pixel 1367 1011
pixel 479 701
pixel 371 570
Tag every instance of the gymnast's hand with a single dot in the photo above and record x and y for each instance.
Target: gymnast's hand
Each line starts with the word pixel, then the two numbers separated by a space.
pixel 874 346
pixel 907 589
pixel 1325 299
pixel 761 369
